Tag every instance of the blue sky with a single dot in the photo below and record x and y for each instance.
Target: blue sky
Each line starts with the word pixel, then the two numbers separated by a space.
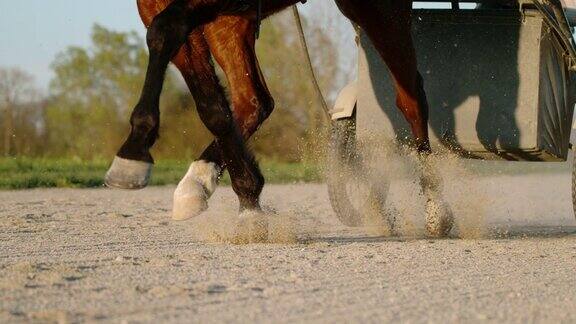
pixel 32 32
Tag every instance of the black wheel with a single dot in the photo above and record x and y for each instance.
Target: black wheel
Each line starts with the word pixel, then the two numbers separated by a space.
pixel 355 198
pixel 574 179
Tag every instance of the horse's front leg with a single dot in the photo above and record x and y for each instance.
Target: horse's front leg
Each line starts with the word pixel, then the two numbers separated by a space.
pixel 232 43
pixel 166 34
pixel 211 101
pixel 388 24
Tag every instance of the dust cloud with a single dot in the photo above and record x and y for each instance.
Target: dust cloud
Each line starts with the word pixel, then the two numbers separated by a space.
pixel 400 210
pixel 398 170
pixel 228 227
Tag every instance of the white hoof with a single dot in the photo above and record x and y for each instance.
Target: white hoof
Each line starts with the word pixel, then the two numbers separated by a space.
pixel 439 218
pixel 197 186
pixel 128 174
pixel 252 227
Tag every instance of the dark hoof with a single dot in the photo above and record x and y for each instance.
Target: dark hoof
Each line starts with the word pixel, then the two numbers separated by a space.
pixel 128 174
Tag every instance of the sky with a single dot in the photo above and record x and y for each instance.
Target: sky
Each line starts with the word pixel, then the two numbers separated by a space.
pixel 33 32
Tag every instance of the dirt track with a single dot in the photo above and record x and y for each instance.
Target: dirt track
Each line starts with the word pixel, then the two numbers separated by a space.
pixel 68 255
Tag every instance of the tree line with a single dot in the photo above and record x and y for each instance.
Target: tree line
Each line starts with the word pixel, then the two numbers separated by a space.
pixel 85 112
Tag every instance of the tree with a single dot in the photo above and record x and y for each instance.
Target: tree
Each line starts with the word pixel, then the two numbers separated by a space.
pixel 94 90
pixel 297 121
pixel 16 90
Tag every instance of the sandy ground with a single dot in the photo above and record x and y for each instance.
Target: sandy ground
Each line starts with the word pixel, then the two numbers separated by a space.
pixel 114 256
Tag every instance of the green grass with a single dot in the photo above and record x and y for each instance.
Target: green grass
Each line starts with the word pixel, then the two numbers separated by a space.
pixel 27 173
pixel 494 168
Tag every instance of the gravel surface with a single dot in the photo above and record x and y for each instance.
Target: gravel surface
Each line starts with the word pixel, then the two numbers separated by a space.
pixel 115 256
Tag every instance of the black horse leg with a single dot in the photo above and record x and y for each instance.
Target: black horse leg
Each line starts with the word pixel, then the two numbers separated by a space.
pixel 214 110
pixel 194 60
pixel 168 31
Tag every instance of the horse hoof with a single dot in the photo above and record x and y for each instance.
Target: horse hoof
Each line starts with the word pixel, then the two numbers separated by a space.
pixel 252 227
pixel 439 219
pixel 192 194
pixel 128 174
pixel 190 200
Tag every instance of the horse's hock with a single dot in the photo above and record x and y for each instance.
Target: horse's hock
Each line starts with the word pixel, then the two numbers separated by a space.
pixel 497 82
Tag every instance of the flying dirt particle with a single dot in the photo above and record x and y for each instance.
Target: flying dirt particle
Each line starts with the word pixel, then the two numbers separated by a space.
pixel 398 169
pixel 229 228
pixel 401 167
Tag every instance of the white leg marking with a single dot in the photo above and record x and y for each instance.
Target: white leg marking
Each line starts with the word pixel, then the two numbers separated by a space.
pixel 197 186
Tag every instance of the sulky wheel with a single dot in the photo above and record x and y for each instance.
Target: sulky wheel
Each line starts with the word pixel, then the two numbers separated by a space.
pixel 356 200
pixel 574 179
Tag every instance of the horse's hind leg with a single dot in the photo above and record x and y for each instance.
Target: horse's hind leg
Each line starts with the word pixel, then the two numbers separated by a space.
pixel 232 43
pixel 251 102
pixel 388 24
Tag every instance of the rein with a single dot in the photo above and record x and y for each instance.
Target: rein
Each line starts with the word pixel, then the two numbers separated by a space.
pixel 258 18
pixel 308 59
pixel 305 49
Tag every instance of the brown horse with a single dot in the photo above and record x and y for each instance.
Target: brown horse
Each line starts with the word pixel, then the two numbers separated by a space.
pixel 189 33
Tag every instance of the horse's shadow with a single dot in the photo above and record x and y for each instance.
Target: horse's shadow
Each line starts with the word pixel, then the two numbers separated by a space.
pixel 464 65
pixel 508 232
pixel 531 231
